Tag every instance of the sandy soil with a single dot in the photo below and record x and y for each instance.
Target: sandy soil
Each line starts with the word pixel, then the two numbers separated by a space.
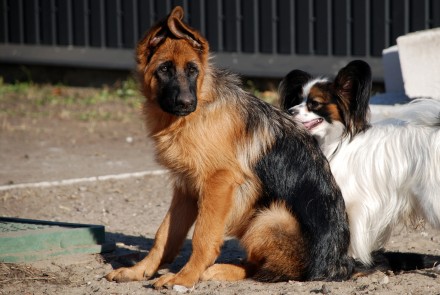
pixel 49 148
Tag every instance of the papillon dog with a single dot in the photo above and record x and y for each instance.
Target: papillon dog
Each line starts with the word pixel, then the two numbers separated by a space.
pixel 389 173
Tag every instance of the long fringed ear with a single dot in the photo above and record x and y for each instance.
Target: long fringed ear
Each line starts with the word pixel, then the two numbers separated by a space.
pixel 353 86
pixel 291 87
pixel 182 31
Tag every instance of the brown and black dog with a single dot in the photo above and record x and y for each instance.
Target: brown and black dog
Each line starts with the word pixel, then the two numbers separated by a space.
pixel 241 168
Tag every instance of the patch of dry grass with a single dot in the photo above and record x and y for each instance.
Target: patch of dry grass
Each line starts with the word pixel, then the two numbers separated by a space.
pixel 11 273
pixel 35 101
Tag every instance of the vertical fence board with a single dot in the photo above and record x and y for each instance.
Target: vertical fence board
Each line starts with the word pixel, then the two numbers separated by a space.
pixel 63 22
pixel 127 23
pixel 145 16
pixel 196 17
pixel 96 23
pixel 79 23
pixel 435 13
pixel 46 24
pixel 30 22
pixel 378 23
pixel 111 23
pixel 212 24
pixel 15 22
pixel 249 26
pixel 285 30
pixel 417 15
pixel 3 21
pixel 265 16
pixel 302 26
pixel 359 17
pixel 230 25
pixel 399 18
pixel 321 36
pixel 162 8
pixel 340 27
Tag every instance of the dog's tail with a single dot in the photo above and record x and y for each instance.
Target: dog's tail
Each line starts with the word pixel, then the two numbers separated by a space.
pixel 421 112
pixel 278 251
pixel 275 245
pixel 399 261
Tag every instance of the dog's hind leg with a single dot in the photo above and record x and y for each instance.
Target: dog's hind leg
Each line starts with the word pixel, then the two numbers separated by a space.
pixel 169 238
pixel 228 272
pixel 275 250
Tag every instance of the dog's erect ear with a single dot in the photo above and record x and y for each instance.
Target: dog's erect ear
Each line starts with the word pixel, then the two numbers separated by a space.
pixel 353 87
pixel 182 31
pixel 171 26
pixel 291 88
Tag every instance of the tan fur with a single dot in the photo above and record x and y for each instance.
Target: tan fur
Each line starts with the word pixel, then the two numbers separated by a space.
pixel 318 95
pixel 272 239
pixel 227 272
pixel 212 165
pixel 324 98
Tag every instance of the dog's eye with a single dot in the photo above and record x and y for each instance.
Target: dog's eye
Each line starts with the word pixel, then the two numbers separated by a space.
pixel 312 104
pixel 163 69
pixel 192 70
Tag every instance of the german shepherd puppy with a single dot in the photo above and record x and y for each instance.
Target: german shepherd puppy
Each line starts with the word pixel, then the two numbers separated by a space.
pixel 241 168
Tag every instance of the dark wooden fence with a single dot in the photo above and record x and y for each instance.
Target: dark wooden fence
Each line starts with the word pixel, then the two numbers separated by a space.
pixel 260 38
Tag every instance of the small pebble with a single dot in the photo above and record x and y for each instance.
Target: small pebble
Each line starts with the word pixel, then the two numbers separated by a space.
pixel 390 273
pixel 385 280
pixel 325 289
pixel 181 289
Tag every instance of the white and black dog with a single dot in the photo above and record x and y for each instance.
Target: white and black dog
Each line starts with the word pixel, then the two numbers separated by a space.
pixel 388 173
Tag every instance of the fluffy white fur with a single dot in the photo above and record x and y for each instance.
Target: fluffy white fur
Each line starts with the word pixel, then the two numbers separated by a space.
pixel 388 174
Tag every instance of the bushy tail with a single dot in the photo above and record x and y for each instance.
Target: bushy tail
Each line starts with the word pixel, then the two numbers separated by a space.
pixel 275 246
pixel 421 112
pixel 410 261
pixel 398 261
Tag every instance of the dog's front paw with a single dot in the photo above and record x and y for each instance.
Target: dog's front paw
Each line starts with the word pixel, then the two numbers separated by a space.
pixel 163 281
pixel 125 274
pixel 170 280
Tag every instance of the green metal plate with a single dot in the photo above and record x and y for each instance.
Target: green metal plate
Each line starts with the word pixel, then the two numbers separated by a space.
pixel 28 240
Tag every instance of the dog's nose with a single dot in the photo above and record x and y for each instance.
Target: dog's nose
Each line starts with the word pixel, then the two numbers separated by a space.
pixel 185 101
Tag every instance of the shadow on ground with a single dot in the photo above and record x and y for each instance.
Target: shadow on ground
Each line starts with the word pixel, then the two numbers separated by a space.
pixel 131 249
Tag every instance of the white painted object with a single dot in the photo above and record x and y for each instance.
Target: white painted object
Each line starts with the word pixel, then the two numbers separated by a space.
pixel 420 63
pixel 392 72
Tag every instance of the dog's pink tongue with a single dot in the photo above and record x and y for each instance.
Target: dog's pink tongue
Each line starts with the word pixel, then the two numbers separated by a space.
pixel 310 124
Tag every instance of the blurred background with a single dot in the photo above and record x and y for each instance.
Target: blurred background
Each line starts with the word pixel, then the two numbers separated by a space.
pixel 91 42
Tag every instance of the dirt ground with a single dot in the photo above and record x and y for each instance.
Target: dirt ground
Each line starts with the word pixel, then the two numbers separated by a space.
pixel 55 147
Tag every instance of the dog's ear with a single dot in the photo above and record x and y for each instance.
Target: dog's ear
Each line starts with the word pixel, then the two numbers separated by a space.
pixel 182 31
pixel 291 88
pixel 149 43
pixel 170 26
pixel 353 86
